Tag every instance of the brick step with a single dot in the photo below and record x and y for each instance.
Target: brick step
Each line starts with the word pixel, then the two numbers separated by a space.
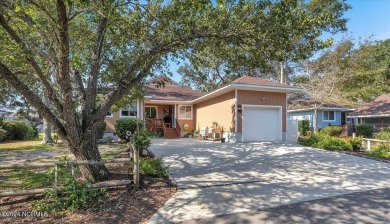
pixel 171 137
pixel 170 133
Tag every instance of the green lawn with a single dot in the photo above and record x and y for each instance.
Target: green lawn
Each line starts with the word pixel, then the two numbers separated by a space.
pixel 16 179
pixel 14 146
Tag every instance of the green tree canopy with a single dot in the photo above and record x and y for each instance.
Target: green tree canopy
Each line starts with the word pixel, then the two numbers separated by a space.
pixel 74 48
pixel 368 71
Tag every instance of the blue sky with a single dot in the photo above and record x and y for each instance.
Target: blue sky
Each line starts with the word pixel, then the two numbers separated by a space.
pixel 366 18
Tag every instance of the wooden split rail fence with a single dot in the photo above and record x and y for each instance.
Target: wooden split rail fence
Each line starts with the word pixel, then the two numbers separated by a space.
pixel 133 154
pixel 369 140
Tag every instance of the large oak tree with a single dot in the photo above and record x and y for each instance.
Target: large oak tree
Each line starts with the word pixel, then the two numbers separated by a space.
pixel 85 45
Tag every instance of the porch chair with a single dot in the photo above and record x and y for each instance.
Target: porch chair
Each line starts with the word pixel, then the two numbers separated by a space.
pixel 203 133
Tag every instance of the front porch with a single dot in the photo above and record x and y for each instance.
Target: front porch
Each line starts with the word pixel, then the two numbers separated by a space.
pixel 159 125
pixel 162 118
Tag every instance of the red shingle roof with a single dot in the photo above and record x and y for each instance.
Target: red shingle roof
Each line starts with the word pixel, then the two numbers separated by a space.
pixel 171 91
pixel 260 82
pixel 380 105
pixel 174 92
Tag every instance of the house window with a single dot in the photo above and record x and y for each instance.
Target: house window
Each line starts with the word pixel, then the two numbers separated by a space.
pixel 130 111
pixel 185 112
pixel 329 116
pixel 150 112
pixel 109 113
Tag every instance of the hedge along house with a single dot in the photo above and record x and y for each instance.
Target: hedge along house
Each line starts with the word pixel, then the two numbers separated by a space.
pixel 376 113
pixel 248 109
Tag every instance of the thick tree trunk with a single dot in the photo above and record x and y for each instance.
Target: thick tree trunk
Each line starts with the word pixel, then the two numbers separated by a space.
pixel 46 125
pixel 46 132
pixel 88 150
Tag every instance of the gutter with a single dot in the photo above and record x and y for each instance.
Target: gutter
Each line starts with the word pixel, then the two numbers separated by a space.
pixel 369 116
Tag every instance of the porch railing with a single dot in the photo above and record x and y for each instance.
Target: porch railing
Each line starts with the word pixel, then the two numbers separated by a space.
pixel 154 124
pixel 178 129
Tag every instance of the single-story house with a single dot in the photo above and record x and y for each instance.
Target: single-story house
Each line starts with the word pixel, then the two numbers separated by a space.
pixel 376 113
pixel 248 109
pixel 328 115
pixel 8 116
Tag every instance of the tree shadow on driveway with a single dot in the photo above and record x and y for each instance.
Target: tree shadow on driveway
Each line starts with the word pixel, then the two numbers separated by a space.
pixel 217 179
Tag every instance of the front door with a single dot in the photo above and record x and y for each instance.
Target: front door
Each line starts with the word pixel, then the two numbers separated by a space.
pixel 168 116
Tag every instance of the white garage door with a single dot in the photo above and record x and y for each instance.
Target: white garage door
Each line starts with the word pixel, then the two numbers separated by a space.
pixel 261 124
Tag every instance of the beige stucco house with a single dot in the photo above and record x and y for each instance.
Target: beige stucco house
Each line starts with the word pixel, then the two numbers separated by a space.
pixel 248 109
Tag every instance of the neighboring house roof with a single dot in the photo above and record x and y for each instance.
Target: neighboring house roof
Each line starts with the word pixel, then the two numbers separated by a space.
pixel 307 105
pixel 380 107
pixel 173 92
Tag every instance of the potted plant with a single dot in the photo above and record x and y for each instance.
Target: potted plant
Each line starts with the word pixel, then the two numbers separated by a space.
pixel 189 134
pixel 196 133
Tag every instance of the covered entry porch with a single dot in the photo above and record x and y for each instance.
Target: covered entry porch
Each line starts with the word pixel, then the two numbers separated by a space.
pixel 162 118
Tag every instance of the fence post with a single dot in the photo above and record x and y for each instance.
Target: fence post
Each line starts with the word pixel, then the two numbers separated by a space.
pixel 136 167
pixel 72 167
pixel 368 145
pixel 56 178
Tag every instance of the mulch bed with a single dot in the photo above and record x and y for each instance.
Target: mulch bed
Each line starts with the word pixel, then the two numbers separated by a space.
pixel 123 205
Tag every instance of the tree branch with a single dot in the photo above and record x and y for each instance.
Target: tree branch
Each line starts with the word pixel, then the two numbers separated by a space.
pixel 38 72
pixel 95 70
pixel 35 101
pixel 63 76
pixel 145 62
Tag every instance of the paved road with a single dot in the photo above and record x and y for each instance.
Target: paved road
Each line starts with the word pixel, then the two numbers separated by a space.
pixel 362 207
pixel 218 179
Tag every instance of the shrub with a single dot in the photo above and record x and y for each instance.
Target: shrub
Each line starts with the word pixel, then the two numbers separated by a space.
pixel 310 141
pixel 2 134
pixel 108 139
pixel 101 127
pixel 364 130
pixel 356 142
pixel 382 151
pixel 326 142
pixel 333 143
pixel 142 140
pixel 126 124
pixel 387 129
pixel 32 133
pixel 153 167
pixel 332 130
pixel 15 130
pixel 79 194
pixel 383 135
pixel 303 126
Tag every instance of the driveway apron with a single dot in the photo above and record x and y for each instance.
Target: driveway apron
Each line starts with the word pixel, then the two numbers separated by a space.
pixel 225 178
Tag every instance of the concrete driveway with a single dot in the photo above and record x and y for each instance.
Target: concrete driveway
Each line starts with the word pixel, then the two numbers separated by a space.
pixel 223 178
